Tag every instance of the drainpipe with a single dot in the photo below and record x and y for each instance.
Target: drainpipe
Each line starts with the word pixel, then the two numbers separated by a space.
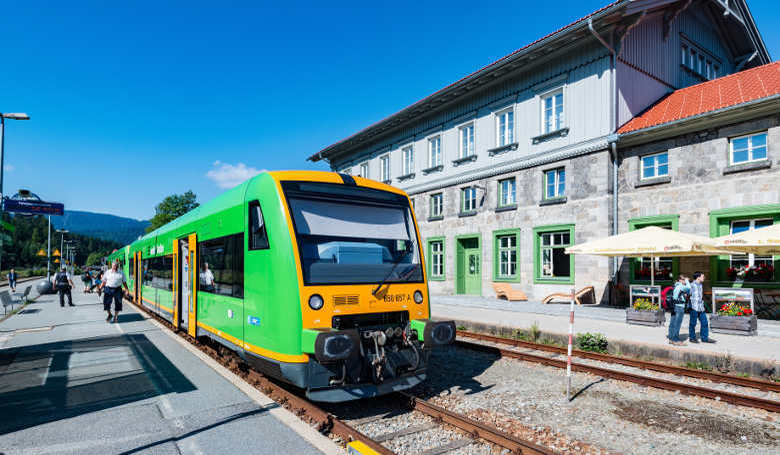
pixel 612 140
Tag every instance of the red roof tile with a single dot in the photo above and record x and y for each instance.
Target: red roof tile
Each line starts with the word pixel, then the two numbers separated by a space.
pixel 738 88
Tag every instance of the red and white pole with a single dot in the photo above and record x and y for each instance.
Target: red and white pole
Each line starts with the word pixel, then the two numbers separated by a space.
pixel 568 356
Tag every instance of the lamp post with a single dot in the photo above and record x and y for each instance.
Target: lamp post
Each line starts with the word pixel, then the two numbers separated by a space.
pixel 12 116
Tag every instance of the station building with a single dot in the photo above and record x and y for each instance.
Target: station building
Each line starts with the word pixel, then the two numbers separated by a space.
pixel 563 141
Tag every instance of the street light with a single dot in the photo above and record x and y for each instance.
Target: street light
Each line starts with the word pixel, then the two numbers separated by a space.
pixel 12 116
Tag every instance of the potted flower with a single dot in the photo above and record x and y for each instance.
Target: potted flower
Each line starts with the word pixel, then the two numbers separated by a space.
pixel 644 312
pixel 735 319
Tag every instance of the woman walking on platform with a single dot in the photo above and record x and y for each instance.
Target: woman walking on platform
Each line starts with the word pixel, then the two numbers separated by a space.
pixel 113 280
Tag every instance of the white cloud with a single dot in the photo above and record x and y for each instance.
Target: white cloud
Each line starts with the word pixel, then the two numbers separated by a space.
pixel 226 175
pixel 9 167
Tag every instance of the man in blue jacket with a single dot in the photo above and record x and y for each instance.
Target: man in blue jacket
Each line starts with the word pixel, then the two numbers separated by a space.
pixel 698 312
pixel 680 296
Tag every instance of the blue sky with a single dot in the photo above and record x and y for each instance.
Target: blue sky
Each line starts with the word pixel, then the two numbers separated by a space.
pixel 130 103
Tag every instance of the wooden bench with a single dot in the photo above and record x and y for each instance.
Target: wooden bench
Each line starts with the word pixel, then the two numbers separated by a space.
pixel 506 292
pixel 586 295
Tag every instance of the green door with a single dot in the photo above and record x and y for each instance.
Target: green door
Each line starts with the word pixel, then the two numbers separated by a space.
pixel 473 275
pixel 468 267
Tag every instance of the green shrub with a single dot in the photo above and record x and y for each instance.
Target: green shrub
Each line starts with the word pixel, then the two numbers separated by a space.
pixel 535 332
pixel 595 342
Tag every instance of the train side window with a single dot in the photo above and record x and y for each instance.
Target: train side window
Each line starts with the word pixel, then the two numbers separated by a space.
pixel 258 238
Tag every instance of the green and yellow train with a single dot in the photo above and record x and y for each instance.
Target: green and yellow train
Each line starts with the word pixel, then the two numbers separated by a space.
pixel 314 278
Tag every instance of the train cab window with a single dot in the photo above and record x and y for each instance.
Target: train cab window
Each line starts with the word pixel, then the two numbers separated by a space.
pixel 221 266
pixel 258 238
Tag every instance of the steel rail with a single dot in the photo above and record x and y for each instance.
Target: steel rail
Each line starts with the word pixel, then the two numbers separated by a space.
pixel 326 422
pixel 477 429
pixel 760 384
pixel 687 389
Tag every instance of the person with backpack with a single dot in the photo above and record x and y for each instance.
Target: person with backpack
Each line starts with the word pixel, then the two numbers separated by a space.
pixel 63 283
pixel 680 298
pixel 698 312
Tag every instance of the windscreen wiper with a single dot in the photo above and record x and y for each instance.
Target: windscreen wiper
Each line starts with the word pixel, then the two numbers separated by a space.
pixel 409 249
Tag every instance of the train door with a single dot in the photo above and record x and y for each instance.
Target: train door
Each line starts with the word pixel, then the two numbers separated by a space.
pixel 183 301
pixel 138 278
pixel 175 284
pixel 192 245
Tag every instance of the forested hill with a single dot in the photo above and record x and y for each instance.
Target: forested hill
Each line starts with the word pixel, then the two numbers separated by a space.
pixel 101 225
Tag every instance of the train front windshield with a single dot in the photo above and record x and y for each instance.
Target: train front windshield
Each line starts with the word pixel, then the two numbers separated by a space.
pixel 354 235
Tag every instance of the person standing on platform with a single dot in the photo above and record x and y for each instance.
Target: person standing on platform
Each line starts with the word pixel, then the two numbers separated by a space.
pixel 698 312
pixel 680 296
pixel 112 283
pixel 63 284
pixel 12 280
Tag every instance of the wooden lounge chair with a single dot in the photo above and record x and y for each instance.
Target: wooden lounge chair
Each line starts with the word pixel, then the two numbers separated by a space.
pixel 506 292
pixel 586 295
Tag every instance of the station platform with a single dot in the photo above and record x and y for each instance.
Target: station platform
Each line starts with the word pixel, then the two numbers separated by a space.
pixel 755 355
pixel 72 383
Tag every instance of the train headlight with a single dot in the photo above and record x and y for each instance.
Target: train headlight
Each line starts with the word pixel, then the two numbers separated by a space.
pixel 335 346
pixel 316 302
pixel 418 297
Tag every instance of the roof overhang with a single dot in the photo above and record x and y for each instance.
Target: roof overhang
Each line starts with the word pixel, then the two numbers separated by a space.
pixel 706 120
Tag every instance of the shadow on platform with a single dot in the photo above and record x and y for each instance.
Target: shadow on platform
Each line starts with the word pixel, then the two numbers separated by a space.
pixel 48 382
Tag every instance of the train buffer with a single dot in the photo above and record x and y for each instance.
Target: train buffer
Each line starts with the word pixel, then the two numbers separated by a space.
pixel 75 383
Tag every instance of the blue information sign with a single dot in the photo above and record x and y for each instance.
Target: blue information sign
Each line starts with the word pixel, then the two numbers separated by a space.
pixel 28 207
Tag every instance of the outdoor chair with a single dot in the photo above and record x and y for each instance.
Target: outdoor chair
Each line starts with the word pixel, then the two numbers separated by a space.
pixel 26 294
pixel 7 301
pixel 506 292
pixel 586 295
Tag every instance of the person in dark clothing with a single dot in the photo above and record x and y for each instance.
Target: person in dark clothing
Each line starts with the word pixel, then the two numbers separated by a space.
pixel 12 280
pixel 63 284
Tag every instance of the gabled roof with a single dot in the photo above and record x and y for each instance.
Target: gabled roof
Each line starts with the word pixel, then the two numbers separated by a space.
pixel 729 91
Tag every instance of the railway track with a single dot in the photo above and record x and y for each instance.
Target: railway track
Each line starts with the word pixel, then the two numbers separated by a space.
pixel 760 384
pixel 687 389
pixel 327 423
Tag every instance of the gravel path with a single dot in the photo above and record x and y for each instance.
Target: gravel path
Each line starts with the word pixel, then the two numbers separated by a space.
pixel 606 416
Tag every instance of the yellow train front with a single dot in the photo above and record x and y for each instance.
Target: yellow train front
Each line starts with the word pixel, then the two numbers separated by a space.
pixel 315 278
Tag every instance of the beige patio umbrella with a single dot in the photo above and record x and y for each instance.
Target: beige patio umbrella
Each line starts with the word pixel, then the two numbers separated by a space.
pixel 650 242
pixel 765 240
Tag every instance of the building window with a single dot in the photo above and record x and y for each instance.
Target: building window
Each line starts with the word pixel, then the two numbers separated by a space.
pixel 468 199
pixel 655 165
pixel 552 111
pixel 364 170
pixel 750 267
pixel 551 263
pixel 506 192
pixel 437 203
pixel 665 268
pixel 555 183
pixel 684 53
pixel 466 140
pixel 384 166
pixel 506 245
pixel 408 163
pixel 434 151
pixel 505 128
pixel 436 258
pixel 746 149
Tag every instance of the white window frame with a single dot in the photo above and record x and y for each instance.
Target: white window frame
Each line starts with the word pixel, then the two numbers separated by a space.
pixel 511 256
pixel 504 201
pixel 547 265
pixel 407 160
pixel 437 159
pixel 558 123
pixel 437 258
pixel 655 165
pixel 472 201
pixel 364 170
pixel 751 257
pixel 557 194
pixel 471 142
pixel 508 136
pixel 750 147
pixel 384 167
pixel 437 205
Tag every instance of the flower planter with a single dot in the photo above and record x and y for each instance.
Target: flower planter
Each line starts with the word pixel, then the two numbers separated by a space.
pixel 652 318
pixel 735 325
